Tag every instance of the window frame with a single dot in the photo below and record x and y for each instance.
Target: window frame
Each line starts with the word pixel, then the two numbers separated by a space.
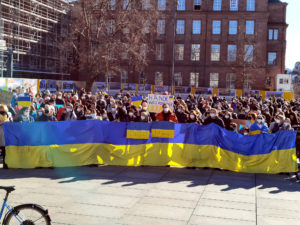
pixel 250 30
pixel 180 26
pixel 194 81
pixel 161 5
pixel 274 62
pixel 216 27
pixel 215 56
pixel 229 58
pixel 195 55
pixel 159 47
pixel 179 52
pixel 161 26
pixel 214 79
pixel 250 6
pixel 181 5
pixel 231 8
pixel 217 5
pixel 230 27
pixel 195 28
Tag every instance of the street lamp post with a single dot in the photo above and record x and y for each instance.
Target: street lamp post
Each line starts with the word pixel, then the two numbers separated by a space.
pixel 173 44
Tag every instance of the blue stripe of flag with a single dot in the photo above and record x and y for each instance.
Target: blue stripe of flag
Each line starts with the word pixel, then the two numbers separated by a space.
pixel 163 125
pixel 138 126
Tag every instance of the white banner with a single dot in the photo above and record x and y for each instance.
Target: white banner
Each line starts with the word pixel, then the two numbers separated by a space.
pixel 155 102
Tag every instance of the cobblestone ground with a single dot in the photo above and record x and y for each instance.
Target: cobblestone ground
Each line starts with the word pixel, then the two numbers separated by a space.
pixel 157 195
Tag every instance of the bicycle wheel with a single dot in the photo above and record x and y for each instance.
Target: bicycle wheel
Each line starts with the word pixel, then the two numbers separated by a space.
pixel 29 214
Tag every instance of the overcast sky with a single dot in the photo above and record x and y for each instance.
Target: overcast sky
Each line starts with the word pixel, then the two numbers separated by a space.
pixel 293 33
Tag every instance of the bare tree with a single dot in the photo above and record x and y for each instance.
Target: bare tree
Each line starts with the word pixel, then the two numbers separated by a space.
pixel 244 64
pixel 108 36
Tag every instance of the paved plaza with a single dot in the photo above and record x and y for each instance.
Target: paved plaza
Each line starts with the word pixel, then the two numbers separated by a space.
pixel 157 195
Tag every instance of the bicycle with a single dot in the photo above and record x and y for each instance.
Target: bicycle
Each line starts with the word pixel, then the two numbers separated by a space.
pixel 19 215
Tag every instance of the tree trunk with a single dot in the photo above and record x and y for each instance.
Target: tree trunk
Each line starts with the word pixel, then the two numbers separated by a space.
pixel 89 84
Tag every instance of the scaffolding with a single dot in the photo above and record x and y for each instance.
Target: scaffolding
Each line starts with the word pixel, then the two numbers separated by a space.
pixel 33 30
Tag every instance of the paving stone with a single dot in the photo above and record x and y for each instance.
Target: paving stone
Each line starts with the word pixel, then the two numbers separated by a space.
pixel 204 220
pixel 173 194
pixel 229 197
pixel 225 213
pixel 278 204
pixel 168 202
pixel 227 204
pixel 264 220
pixel 281 213
pixel 158 211
pixel 140 220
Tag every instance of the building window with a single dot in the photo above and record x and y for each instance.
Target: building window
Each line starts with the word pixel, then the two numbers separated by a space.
pixel 250 27
pixel 248 50
pixel 124 76
pixel 180 5
pixel 273 34
pixel 248 81
pixel 217 5
pixel 110 26
pixel 179 52
pixel 161 5
pixel 146 27
pixel 161 26
pixel 197 4
pixel 230 81
pixel 196 26
pixel 195 53
pixel 145 4
pixel 234 5
pixel 233 26
pixel 159 51
pixel 250 5
pixel 213 80
pixel 215 53
pixel 194 79
pixel 272 56
pixel 216 27
pixel 126 4
pixel 112 5
pixel 124 54
pixel 159 79
pixel 283 81
pixel 180 27
pixel 232 50
pixel 178 79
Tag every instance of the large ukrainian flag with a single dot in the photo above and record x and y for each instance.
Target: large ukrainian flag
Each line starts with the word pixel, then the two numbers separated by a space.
pixel 78 143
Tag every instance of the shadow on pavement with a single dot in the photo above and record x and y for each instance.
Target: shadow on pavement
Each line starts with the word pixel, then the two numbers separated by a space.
pixel 132 176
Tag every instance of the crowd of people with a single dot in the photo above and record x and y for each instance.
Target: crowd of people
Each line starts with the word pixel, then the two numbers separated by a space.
pixel 260 116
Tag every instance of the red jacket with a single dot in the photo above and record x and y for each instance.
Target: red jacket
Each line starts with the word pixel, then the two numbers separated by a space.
pixel 171 117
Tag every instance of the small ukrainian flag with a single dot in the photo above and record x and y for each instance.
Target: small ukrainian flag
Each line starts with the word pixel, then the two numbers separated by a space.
pixel 24 101
pixel 137 100
pixel 163 130
pixel 138 131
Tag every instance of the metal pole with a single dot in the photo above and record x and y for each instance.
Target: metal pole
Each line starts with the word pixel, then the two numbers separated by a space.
pixel 1 36
pixel 173 47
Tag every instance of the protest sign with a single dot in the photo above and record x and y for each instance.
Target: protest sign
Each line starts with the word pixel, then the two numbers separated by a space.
pixel 155 102
pixel 5 97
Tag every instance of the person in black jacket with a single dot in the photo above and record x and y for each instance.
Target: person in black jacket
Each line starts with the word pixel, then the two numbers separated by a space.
pixel 121 112
pixel 79 111
pixel 181 115
pixel 214 118
pixel 48 114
